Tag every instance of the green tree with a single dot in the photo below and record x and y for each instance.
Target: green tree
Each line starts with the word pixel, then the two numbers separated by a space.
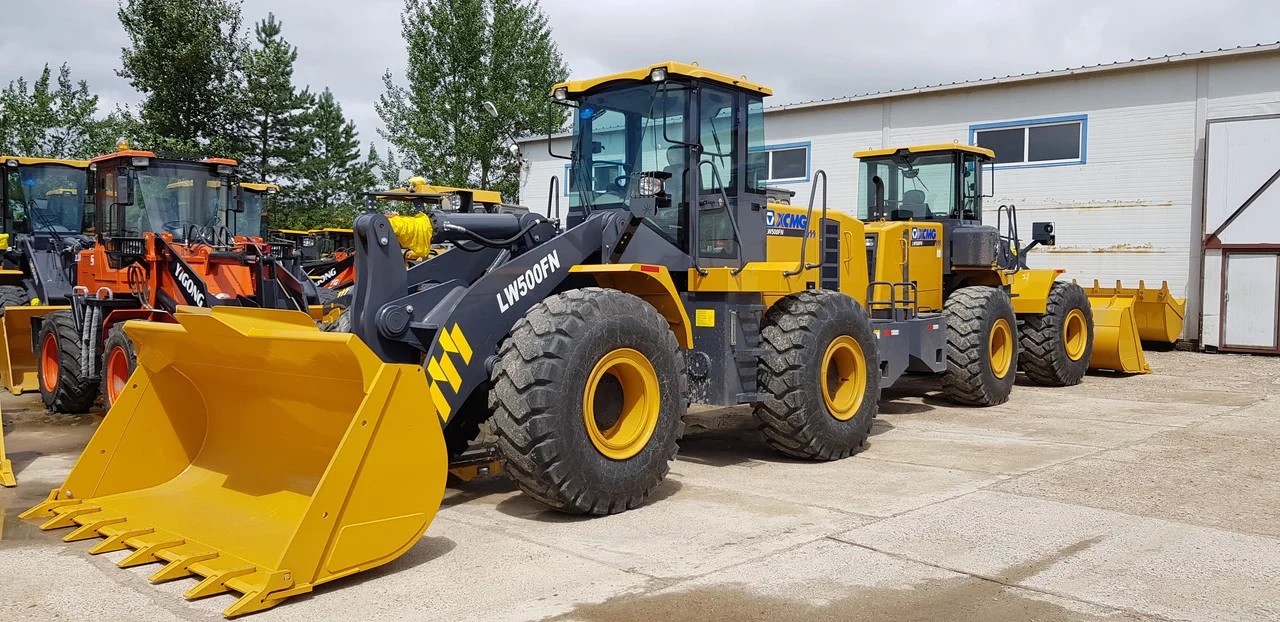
pixel 386 171
pixel 184 57
pixel 331 178
pixel 462 53
pixel 273 130
pixel 53 120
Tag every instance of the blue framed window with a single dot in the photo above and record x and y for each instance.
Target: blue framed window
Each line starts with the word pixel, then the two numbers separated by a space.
pixel 782 164
pixel 603 174
pixel 1054 141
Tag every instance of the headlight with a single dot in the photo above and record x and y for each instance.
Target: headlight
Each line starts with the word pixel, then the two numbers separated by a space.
pixel 650 186
pixel 561 94
pixel 11 163
pixel 139 161
pixel 658 74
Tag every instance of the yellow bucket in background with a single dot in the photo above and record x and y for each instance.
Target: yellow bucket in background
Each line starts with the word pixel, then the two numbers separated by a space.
pixel 258 453
pixel 6 467
pixel 1125 317
pixel 1156 313
pixel 17 356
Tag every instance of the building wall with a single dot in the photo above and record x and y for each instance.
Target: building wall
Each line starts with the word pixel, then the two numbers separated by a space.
pixel 1132 211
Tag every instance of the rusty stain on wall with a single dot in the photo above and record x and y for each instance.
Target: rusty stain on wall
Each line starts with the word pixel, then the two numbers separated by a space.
pixel 1113 249
pixel 1046 204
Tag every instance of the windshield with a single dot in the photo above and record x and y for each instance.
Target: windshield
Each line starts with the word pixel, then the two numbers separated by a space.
pixel 173 197
pixel 621 133
pixel 249 222
pixel 47 198
pixel 915 187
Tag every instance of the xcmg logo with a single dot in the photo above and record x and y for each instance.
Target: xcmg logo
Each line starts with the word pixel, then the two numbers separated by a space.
pixel 918 233
pixel 786 220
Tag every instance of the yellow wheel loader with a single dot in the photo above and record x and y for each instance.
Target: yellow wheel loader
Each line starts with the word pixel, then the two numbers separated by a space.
pixel 263 456
pixel 44 218
pixel 924 211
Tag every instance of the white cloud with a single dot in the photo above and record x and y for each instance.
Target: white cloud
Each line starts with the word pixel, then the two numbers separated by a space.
pixel 804 49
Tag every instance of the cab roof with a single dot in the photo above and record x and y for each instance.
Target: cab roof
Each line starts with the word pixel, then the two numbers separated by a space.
pixel 673 68
pixel 33 161
pixel 937 148
pixel 139 153
pixel 252 187
pixel 419 186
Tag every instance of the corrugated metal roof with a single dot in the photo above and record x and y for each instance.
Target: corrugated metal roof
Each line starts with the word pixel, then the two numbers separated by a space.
pixel 1132 63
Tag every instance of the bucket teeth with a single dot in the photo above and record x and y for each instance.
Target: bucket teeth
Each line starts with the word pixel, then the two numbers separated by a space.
pixel 179 566
pixel 146 553
pixel 91 528
pixel 46 507
pixel 66 516
pixel 216 582
pixel 116 539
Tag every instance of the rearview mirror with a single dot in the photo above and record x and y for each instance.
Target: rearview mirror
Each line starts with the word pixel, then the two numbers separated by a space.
pixel 237 199
pixel 124 189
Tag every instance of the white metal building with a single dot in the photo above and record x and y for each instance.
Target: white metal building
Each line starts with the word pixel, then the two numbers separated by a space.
pixel 1159 169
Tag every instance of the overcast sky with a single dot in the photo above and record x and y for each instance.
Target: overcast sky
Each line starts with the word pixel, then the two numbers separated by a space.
pixel 804 49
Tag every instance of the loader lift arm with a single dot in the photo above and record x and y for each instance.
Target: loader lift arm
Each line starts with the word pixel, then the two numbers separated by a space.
pixel 459 306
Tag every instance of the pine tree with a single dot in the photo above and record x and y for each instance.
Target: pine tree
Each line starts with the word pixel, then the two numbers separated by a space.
pixel 184 57
pixel 273 129
pixel 44 119
pixel 462 53
pixel 331 177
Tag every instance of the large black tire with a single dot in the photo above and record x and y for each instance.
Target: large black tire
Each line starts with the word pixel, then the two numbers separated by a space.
pixel 326 295
pixel 464 425
pixel 973 375
pixel 68 392
pixel 112 380
pixel 340 325
pixel 13 296
pixel 539 400
pixel 1056 346
pixel 809 342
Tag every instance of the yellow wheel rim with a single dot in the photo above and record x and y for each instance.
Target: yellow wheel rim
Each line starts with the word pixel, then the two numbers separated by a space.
pixel 621 403
pixel 1075 334
pixel 844 380
pixel 1000 348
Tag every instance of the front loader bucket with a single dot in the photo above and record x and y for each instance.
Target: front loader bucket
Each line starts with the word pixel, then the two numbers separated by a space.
pixel 1116 345
pixel 17 357
pixel 6 467
pixel 1156 313
pixel 258 454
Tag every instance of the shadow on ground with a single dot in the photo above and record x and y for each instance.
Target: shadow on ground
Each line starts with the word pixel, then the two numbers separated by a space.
pixel 525 507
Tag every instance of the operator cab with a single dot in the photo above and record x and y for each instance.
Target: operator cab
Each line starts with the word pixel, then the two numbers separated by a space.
pixel 931 182
pixel 187 201
pixel 672 143
pixel 255 202
pixel 44 197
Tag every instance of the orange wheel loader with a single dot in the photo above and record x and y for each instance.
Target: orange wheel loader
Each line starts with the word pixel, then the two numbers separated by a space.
pixel 165 237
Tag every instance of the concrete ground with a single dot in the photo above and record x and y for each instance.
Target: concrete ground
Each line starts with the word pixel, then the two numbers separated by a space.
pixel 1125 498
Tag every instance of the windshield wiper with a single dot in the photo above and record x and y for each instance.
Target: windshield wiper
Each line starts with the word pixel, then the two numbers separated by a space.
pixel 39 217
